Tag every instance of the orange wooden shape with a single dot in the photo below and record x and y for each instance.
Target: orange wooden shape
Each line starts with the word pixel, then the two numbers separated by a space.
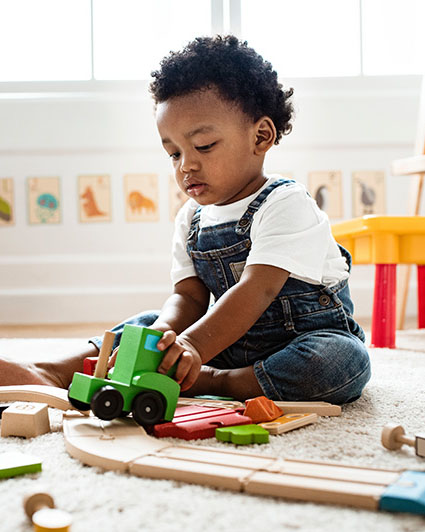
pixel 261 409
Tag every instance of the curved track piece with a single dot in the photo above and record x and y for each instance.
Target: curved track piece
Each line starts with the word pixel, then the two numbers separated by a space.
pixel 122 445
pixel 52 396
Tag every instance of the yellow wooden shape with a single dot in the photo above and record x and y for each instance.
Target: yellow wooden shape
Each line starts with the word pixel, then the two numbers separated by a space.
pixel 383 239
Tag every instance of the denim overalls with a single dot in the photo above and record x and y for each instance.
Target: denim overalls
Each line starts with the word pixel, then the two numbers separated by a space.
pixel 306 346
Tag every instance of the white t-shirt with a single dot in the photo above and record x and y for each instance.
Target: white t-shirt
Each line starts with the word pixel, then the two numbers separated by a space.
pixel 288 231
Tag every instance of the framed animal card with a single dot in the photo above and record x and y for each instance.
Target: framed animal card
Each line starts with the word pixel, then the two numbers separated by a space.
pixel 176 198
pixel 7 215
pixel 141 197
pixel 326 188
pixel 44 206
pixel 368 193
pixel 94 196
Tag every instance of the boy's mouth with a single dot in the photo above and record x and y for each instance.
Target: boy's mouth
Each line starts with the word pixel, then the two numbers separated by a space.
pixel 195 189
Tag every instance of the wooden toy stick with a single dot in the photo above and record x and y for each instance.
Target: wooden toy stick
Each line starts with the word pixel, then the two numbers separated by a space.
pixel 393 438
pixel 102 364
pixel 40 508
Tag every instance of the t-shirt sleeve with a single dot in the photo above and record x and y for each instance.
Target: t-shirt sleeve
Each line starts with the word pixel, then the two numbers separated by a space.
pixel 292 233
pixel 182 265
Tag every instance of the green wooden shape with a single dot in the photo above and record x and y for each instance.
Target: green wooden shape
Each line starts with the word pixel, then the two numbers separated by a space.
pixel 243 434
pixel 14 463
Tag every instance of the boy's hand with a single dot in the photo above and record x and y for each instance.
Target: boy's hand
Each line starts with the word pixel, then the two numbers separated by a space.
pixel 187 357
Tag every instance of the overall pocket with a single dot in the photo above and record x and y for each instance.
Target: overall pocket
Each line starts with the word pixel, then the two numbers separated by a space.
pixel 314 310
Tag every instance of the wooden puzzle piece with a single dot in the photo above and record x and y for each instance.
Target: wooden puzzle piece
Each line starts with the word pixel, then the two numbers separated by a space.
pixel 16 463
pixel 197 422
pixel 321 408
pixel 261 409
pixel 288 422
pixel 25 419
pixel 243 434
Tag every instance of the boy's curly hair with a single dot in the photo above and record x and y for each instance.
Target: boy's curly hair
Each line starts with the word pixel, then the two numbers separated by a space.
pixel 239 72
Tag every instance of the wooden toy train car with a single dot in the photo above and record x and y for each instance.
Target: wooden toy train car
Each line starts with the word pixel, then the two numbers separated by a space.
pixel 133 385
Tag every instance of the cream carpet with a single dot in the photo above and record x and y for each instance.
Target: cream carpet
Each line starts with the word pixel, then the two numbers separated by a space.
pixel 108 501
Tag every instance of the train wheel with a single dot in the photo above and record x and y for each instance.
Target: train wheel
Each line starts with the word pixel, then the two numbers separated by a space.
pixel 79 405
pixel 148 408
pixel 107 403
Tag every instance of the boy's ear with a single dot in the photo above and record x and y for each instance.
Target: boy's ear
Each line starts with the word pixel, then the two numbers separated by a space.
pixel 265 135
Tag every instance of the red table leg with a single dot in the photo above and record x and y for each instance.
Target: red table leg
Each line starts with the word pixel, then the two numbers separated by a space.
pixel 384 306
pixel 421 296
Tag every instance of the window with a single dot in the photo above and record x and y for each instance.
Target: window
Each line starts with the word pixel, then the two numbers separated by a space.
pixel 393 39
pixel 45 40
pixel 131 36
pixel 96 40
pixel 305 37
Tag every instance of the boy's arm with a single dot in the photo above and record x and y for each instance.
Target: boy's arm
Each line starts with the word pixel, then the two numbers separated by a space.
pixel 185 306
pixel 229 319
pixel 236 311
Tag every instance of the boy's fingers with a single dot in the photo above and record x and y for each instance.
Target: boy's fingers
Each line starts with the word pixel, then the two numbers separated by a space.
pixel 190 379
pixel 167 339
pixel 170 358
pixel 183 367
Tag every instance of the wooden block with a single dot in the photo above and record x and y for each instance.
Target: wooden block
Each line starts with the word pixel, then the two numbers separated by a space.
pixel 89 365
pixel 289 422
pixel 25 419
pixel 420 444
pixel 261 409
pixel 320 408
pixel 243 434
pixel 15 463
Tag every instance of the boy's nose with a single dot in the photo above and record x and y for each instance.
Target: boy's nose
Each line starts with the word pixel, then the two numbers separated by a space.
pixel 188 164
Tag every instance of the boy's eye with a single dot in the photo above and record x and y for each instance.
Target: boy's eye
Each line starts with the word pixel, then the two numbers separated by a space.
pixel 175 155
pixel 206 147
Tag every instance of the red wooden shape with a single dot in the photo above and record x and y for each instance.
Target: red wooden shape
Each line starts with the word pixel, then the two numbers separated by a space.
pixel 384 306
pixel 89 364
pixel 421 296
pixel 198 422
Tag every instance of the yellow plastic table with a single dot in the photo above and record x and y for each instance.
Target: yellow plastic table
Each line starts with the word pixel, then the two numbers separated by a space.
pixel 386 241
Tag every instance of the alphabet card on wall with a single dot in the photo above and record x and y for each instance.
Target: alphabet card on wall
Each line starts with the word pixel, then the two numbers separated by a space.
pixel 368 193
pixel 44 206
pixel 176 198
pixel 326 188
pixel 141 197
pixel 7 216
pixel 94 193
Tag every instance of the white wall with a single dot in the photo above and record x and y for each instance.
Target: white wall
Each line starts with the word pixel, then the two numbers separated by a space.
pixel 76 272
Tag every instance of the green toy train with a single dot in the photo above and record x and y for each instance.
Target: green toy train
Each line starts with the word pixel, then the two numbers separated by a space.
pixel 132 385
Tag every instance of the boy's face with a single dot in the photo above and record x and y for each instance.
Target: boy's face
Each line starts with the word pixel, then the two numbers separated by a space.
pixel 212 146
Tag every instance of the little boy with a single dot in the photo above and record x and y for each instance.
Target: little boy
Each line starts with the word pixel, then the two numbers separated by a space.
pixel 281 324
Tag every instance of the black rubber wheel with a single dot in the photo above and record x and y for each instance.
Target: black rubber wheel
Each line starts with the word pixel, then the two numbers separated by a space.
pixel 79 405
pixel 148 408
pixel 107 403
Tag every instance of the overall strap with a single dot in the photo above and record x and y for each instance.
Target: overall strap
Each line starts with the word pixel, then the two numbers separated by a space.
pixel 244 224
pixel 193 230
